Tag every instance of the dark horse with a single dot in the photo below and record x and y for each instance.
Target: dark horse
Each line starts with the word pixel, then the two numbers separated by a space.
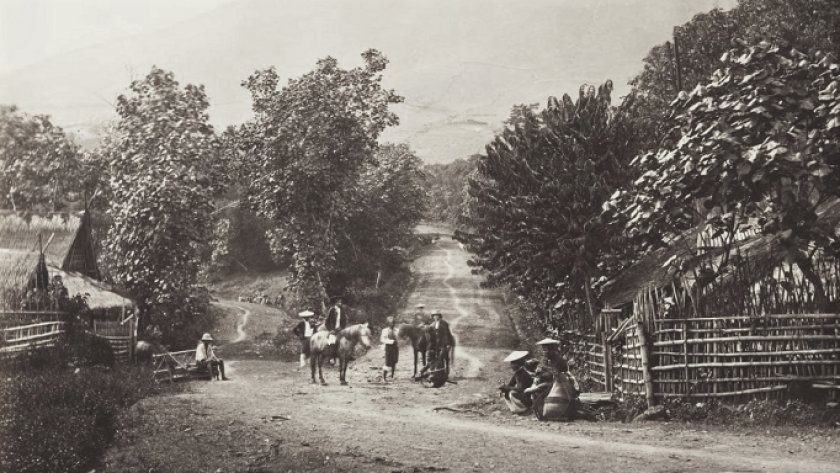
pixel 446 350
pixel 419 337
pixel 347 340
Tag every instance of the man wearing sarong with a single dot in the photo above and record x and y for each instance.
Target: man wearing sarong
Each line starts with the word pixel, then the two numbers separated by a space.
pixel 392 351
pixel 303 331
pixel 513 392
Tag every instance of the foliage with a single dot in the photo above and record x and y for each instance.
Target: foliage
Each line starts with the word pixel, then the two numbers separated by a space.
pixel 303 155
pixel 58 419
pixel 808 25
pixel 446 187
pixel 760 142
pixel 40 168
pixel 165 169
pixel 538 193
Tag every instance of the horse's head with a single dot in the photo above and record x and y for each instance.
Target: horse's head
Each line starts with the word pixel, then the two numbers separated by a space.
pixel 364 335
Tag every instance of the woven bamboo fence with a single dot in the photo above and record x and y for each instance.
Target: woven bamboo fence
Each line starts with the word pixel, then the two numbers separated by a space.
pixel 745 357
pixel 119 335
pixel 19 339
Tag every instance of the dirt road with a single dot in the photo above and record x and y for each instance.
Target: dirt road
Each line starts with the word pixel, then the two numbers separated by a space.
pixel 370 426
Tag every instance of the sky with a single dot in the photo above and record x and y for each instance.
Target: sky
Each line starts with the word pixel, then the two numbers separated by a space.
pixel 460 64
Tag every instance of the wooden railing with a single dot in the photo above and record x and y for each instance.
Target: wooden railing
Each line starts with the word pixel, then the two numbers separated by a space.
pixel 18 339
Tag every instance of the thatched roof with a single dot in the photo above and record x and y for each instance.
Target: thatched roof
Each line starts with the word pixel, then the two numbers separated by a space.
pixel 16 268
pixel 651 270
pixel 98 294
pixel 57 232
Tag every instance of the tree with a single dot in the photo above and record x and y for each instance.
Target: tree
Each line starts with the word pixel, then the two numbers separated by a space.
pixel 536 202
pixel 446 186
pixel 808 25
pixel 40 168
pixel 303 154
pixel 758 141
pixel 165 169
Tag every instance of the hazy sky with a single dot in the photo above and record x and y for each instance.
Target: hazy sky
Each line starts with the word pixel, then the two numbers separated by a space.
pixel 460 64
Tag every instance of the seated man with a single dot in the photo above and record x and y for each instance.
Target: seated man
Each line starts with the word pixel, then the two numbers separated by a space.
pixel 205 358
pixel 514 391
pixel 433 372
pixel 555 391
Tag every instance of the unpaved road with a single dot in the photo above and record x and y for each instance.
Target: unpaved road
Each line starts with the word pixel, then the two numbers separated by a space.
pixel 369 426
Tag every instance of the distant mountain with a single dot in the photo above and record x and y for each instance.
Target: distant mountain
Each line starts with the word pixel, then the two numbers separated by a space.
pixel 461 65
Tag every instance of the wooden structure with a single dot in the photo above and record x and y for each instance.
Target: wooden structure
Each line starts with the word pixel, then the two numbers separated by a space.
pixel 752 330
pixel 176 366
pixel 35 251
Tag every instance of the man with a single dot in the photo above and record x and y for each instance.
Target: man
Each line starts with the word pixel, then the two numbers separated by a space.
pixel 303 331
pixel 420 316
pixel 205 358
pixel 556 391
pixel 440 338
pixel 392 350
pixel 514 391
pixel 336 322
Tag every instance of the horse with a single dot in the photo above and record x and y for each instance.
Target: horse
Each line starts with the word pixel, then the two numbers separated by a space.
pixel 419 337
pixel 347 340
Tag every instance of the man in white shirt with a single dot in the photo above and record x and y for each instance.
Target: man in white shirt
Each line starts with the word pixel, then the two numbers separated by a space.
pixel 205 358
pixel 304 331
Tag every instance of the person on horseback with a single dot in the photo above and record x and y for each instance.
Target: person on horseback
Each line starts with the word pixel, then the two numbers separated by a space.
pixel 205 358
pixel 419 315
pixel 303 331
pixel 514 391
pixel 336 321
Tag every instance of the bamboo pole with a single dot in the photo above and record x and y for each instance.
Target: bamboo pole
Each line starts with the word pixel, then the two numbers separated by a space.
pixel 648 379
pixel 772 363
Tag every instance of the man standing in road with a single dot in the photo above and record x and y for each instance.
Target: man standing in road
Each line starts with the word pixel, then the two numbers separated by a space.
pixel 303 331
pixel 440 339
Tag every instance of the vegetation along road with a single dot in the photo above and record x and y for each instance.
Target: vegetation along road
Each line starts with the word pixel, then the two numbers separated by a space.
pixel 269 418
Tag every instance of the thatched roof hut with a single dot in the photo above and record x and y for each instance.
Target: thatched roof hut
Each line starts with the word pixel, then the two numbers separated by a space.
pixel 64 238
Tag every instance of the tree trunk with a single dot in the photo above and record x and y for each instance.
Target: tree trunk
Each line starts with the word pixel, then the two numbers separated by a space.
pixel 803 262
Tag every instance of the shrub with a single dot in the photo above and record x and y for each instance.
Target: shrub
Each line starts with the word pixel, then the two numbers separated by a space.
pixel 62 419
pixel 287 344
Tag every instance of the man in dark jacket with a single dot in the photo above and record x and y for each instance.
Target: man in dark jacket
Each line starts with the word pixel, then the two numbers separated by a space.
pixel 440 339
pixel 336 322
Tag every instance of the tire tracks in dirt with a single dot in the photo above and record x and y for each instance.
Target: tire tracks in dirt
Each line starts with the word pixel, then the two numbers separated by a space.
pixel 474 365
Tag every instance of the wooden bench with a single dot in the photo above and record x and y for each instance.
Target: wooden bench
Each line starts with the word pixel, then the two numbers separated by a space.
pixel 178 365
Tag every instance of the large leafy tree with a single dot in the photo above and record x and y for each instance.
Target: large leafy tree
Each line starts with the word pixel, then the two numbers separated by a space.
pixel 538 192
pixel 759 142
pixel 446 187
pixel 303 154
pixel 808 25
pixel 40 168
pixel 165 168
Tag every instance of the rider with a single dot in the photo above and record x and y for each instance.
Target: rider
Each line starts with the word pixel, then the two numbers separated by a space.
pixel 336 322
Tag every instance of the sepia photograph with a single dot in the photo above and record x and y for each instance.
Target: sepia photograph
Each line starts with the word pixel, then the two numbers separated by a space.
pixel 409 236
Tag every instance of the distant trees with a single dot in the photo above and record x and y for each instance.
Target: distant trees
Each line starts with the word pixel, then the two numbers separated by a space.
pixel 446 187
pixel 304 157
pixel 538 192
pixel 40 168
pixel 165 168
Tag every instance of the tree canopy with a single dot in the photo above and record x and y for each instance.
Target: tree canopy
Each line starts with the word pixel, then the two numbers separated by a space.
pixel 304 153
pixel 165 170
pixel 537 195
pixel 757 143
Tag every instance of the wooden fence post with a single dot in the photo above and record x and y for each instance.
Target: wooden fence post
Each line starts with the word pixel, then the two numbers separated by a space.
pixel 644 350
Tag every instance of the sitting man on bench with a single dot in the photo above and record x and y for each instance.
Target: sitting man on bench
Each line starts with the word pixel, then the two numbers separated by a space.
pixel 205 359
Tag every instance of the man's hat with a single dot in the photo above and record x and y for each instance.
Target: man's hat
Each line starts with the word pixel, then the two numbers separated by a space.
pixel 336 298
pixel 419 306
pixel 437 312
pixel 516 355
pixel 207 337
pixel 548 341
pixel 306 313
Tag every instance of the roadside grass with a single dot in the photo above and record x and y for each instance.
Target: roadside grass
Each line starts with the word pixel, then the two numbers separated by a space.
pixel 61 406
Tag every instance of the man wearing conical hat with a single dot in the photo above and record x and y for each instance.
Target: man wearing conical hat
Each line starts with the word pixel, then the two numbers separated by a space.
pixel 303 331
pixel 513 392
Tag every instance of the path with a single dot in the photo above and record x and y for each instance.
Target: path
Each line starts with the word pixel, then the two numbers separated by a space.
pixel 240 324
pixel 393 427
